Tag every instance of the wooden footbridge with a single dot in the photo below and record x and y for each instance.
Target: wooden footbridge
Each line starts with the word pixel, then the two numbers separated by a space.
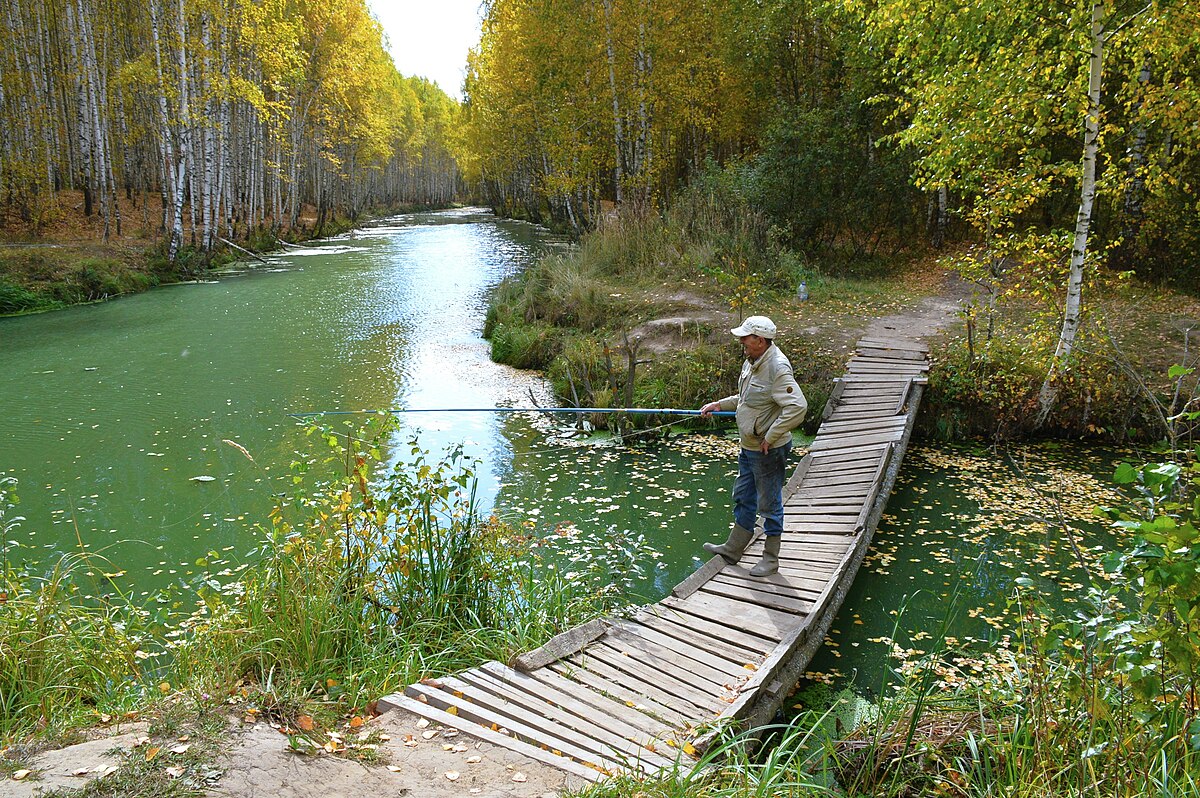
pixel 651 691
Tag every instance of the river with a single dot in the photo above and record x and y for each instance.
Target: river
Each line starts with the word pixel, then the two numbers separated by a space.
pixel 112 411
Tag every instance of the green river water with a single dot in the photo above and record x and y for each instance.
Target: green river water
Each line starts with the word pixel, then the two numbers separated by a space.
pixel 111 410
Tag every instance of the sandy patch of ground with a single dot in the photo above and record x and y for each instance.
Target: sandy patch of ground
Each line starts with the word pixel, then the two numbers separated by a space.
pixel 74 766
pixel 259 765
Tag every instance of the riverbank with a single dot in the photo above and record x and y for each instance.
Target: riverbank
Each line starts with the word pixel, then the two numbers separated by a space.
pixel 69 261
pixel 638 316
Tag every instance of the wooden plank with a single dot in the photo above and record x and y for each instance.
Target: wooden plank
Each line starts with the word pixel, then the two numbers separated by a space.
pixel 398 701
pixel 737 656
pixel 812 554
pixel 904 399
pixel 799 524
pixel 880 379
pixel 587 729
pixel 761 598
pixel 902 354
pixel 869 503
pixel 800 510
pixel 620 669
pixel 844 479
pixel 701 624
pixel 642 664
pixel 833 400
pixel 899 344
pixel 783 584
pixel 561 645
pixel 819 516
pixel 640 702
pixel 856 440
pixel 684 667
pixel 684 651
pixel 883 422
pixel 698 577
pixel 856 493
pixel 486 716
pixel 798 475
pixel 610 707
pixel 583 701
pixel 759 620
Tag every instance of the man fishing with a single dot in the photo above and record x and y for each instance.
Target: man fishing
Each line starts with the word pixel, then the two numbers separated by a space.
pixel 769 406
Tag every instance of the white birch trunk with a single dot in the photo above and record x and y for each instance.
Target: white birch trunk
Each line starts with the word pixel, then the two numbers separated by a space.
pixel 1048 394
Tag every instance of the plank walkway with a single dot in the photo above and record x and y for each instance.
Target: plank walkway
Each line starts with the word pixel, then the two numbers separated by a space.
pixel 653 690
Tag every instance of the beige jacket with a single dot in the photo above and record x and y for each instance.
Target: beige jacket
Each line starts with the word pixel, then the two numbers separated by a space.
pixel 769 403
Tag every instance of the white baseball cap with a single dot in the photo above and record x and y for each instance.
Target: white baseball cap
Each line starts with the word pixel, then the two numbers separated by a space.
pixel 755 325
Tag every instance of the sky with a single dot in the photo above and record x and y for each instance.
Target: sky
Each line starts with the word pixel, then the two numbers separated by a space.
pixel 430 37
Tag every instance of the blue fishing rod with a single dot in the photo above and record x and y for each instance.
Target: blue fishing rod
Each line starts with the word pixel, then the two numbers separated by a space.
pixel 575 410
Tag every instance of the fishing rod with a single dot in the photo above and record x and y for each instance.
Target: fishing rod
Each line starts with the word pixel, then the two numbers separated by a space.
pixel 576 410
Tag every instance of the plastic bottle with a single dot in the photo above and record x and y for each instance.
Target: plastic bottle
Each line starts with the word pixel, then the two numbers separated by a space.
pixel 802 291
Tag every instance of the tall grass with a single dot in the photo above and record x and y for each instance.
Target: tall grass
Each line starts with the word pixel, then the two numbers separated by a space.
pixel 365 579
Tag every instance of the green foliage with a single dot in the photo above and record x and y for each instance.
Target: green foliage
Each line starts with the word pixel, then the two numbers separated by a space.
pixel 1154 640
pixel 18 299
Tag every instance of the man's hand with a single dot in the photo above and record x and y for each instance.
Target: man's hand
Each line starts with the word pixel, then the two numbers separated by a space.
pixel 710 408
pixel 764 447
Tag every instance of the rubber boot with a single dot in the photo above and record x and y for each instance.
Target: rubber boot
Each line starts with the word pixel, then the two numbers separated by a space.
pixel 732 548
pixel 769 563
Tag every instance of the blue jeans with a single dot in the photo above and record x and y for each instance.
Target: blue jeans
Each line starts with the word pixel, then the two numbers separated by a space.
pixel 759 488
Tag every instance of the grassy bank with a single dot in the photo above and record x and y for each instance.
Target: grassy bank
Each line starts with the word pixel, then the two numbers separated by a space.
pixel 362 581
pixel 69 262
pixel 639 314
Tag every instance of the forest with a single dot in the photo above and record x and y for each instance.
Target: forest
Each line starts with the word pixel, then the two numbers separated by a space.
pixel 211 119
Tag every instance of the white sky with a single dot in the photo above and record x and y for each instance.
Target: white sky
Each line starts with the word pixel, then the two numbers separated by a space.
pixel 430 37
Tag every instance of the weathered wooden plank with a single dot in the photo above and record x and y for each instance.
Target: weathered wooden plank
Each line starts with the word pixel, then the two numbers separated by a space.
pixel 857 493
pixel 798 523
pixel 526 731
pixel 834 398
pixel 586 731
pixel 845 480
pixel 644 662
pixel 540 725
pixel 759 598
pixel 901 354
pixel 855 440
pixel 555 684
pixel 798 475
pixel 664 689
pixel 436 715
pixel 684 652
pixel 797 551
pixel 800 510
pixel 729 643
pixel 898 344
pixel 759 620
pixel 547 685
pixel 782 584
pixel 900 402
pixel 691 670
pixel 818 516
pixel 561 645
pixel 880 379
pixel 883 422
pixel 869 503
pixel 698 577
pixel 640 702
